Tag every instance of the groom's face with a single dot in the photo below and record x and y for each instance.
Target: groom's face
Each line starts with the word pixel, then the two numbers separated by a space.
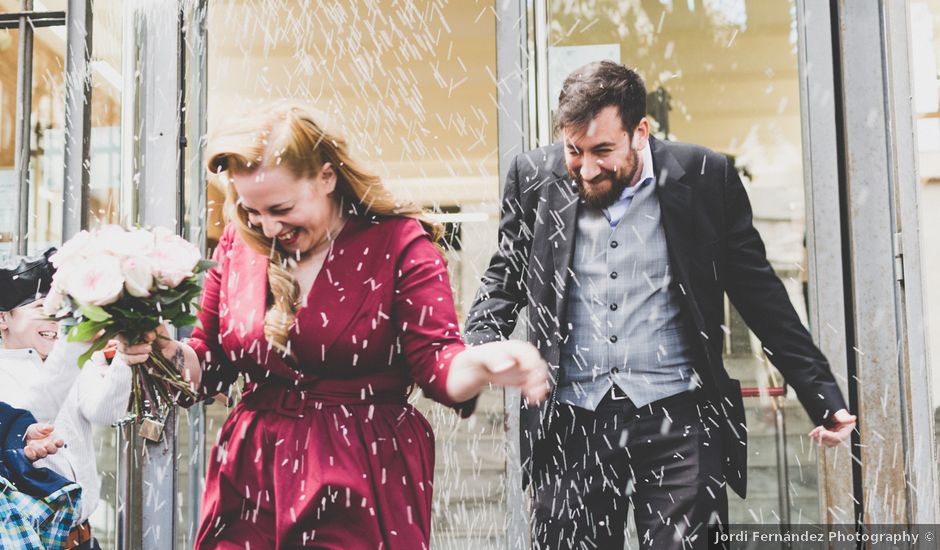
pixel 603 157
pixel 26 327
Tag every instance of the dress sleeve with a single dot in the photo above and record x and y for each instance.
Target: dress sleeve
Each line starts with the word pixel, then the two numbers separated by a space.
pixel 426 318
pixel 217 372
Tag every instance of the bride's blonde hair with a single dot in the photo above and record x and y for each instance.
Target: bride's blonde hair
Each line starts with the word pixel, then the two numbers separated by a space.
pixel 294 135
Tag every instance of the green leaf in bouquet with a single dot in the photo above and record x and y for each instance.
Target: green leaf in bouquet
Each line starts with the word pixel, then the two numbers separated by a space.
pixel 191 303
pixel 204 265
pixel 185 321
pixel 189 288
pixel 126 313
pixel 98 344
pixel 166 293
pixel 171 296
pixel 94 313
pixel 86 330
pixel 134 331
pixel 173 317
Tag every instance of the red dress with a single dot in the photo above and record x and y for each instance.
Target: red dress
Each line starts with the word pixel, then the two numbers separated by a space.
pixel 323 451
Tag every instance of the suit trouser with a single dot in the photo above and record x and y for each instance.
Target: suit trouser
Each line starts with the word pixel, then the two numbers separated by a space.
pixel 663 459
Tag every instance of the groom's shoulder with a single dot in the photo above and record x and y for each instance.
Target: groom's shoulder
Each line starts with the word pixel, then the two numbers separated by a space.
pixel 691 155
pixel 544 160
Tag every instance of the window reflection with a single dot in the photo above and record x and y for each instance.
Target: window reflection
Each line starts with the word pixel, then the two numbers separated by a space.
pixel 412 85
pixel 8 73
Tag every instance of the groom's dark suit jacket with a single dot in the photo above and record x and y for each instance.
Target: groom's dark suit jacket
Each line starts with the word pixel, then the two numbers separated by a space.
pixel 713 249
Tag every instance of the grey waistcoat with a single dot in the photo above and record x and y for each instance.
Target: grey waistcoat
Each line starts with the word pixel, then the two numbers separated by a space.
pixel 623 318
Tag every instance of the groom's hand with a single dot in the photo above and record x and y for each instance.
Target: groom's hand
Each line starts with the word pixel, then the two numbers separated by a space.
pixel 514 363
pixel 837 432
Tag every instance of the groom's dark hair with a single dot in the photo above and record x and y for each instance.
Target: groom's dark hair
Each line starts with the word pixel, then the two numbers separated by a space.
pixel 596 86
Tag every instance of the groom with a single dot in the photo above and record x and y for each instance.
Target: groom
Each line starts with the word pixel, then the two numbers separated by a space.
pixel 621 247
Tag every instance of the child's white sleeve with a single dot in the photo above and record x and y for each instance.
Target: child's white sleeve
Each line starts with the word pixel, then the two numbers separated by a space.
pixel 57 375
pixel 104 390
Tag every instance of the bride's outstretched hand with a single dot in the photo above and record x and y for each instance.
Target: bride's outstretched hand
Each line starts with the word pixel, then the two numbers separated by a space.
pixel 510 363
pixel 517 364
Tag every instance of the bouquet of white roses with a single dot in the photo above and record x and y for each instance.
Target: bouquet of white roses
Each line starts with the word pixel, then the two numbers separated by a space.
pixel 113 281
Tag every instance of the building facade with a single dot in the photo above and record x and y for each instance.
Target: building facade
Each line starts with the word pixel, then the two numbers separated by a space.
pixel 831 110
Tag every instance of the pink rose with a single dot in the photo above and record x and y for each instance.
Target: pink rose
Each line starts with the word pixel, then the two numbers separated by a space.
pixel 173 258
pixel 117 241
pixel 73 250
pixel 97 281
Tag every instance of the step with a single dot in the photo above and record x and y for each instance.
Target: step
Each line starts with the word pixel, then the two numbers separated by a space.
pixel 469 541
pixel 487 519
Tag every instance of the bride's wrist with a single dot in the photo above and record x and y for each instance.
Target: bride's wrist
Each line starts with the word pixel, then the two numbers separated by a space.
pixel 171 350
pixel 468 375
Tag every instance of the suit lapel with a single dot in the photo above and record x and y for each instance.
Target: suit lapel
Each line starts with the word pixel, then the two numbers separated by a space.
pixel 563 205
pixel 675 200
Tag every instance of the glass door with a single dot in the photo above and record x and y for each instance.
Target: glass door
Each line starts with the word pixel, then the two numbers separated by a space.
pixel 47 205
pixel 724 75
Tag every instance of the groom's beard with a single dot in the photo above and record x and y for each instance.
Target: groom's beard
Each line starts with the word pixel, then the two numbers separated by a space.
pixel 606 188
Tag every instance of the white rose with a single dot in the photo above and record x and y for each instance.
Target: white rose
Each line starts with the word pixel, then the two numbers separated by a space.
pixel 53 303
pixel 97 281
pixel 174 258
pixel 138 275
pixel 61 274
pixel 73 250
pixel 116 241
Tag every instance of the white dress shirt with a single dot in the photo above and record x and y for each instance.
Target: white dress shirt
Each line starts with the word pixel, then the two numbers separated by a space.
pixel 615 212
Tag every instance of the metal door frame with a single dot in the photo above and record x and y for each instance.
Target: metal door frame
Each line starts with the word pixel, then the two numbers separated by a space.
pixel 862 239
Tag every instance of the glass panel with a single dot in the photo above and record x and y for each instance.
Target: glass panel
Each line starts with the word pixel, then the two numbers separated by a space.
pixel 47 136
pixel 104 207
pixel 723 74
pixel 412 85
pixel 925 70
pixel 106 79
pixel 48 159
pixel 47 169
pixel 9 39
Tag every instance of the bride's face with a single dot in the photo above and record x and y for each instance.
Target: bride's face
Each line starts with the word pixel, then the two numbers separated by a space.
pixel 297 212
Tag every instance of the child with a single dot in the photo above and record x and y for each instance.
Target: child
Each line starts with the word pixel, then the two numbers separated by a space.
pixel 39 372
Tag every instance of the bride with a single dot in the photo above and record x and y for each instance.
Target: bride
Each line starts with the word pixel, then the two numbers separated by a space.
pixel 332 298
